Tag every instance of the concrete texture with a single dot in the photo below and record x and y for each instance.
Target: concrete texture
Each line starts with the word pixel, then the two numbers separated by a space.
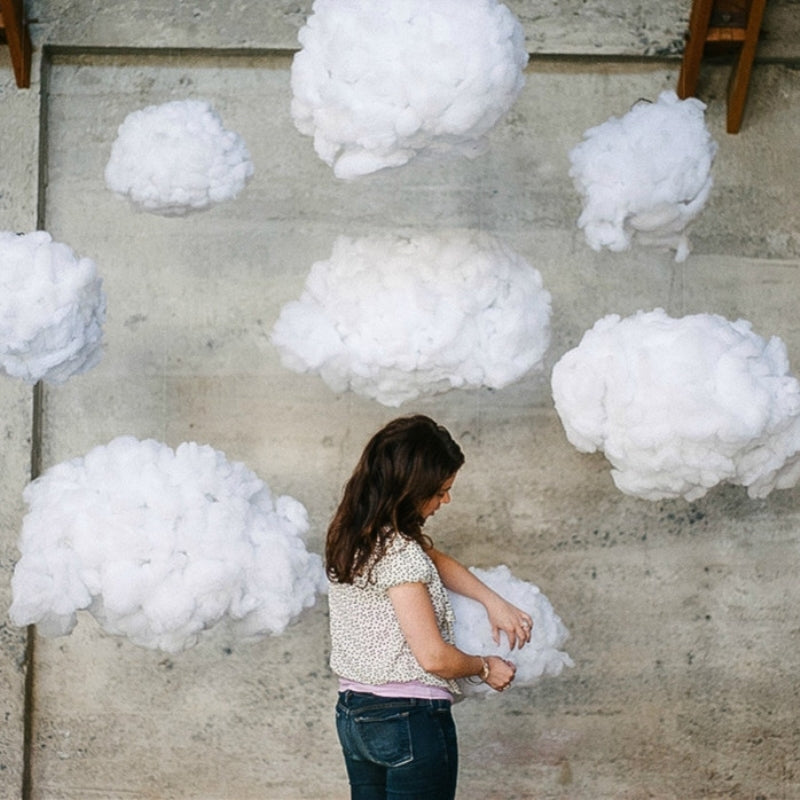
pixel 683 615
pixel 18 193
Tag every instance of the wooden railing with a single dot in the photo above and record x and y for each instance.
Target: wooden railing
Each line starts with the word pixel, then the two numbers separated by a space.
pixel 718 25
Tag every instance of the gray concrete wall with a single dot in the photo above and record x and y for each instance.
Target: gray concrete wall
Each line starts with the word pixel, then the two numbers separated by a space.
pixel 19 141
pixel 682 614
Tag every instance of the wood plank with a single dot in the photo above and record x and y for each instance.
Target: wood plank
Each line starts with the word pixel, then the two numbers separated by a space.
pixel 15 26
pixel 725 35
pixel 693 51
pixel 737 94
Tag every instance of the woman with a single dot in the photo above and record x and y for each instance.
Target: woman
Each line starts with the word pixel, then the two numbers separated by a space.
pixel 391 621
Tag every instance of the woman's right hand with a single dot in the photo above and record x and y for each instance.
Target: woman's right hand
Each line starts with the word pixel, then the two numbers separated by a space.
pixel 501 673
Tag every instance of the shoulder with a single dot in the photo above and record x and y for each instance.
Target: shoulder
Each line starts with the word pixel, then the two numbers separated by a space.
pixel 403 561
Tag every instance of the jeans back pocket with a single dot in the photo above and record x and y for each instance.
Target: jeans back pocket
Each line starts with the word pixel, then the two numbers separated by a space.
pixel 384 737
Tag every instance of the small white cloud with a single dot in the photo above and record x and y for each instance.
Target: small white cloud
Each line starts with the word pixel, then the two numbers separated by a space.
pixel 52 309
pixel 394 318
pixel 177 157
pixel 645 175
pixel 378 83
pixel 160 545
pixel 540 657
pixel 681 405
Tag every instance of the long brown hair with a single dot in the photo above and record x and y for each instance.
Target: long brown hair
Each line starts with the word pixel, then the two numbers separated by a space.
pixel 403 465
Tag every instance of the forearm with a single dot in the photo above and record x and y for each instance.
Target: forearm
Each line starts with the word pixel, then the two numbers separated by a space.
pixel 457 578
pixel 492 670
pixel 450 663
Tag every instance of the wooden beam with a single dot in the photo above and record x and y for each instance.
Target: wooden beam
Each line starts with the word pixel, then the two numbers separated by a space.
pixel 14 24
pixel 695 45
pixel 737 93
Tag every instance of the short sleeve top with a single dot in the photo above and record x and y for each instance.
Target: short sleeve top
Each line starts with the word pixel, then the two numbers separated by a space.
pixel 367 643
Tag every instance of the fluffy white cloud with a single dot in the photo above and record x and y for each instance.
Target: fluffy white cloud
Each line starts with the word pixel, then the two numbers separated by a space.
pixel 680 405
pixel 645 175
pixel 52 309
pixel 540 657
pixel 378 83
pixel 159 545
pixel 177 157
pixel 393 318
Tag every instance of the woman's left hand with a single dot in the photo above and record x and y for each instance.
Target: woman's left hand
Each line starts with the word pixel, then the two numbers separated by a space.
pixel 514 622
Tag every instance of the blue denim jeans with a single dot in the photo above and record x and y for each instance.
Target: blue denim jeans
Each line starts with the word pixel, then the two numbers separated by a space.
pixel 397 747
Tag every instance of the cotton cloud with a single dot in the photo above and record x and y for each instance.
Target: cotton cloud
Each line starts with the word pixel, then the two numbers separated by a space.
pixel 159 545
pixel 378 83
pixel 52 309
pixel 177 157
pixel 681 405
pixel 394 318
pixel 540 657
pixel 645 175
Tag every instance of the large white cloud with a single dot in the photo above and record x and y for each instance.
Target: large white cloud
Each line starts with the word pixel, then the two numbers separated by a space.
pixel 645 175
pixel 394 318
pixel 159 545
pixel 52 309
pixel 177 157
pixel 681 405
pixel 540 657
pixel 378 83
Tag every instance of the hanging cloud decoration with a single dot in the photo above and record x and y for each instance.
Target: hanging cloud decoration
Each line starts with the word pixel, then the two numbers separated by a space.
pixel 160 545
pixel 645 175
pixel 52 309
pixel 378 83
pixel 540 657
pixel 177 157
pixel 680 405
pixel 394 318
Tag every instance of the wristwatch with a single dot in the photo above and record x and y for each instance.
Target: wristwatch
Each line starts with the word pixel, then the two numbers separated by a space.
pixel 484 676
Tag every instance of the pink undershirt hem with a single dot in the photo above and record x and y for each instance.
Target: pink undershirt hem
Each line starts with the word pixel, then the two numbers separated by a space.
pixel 415 689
